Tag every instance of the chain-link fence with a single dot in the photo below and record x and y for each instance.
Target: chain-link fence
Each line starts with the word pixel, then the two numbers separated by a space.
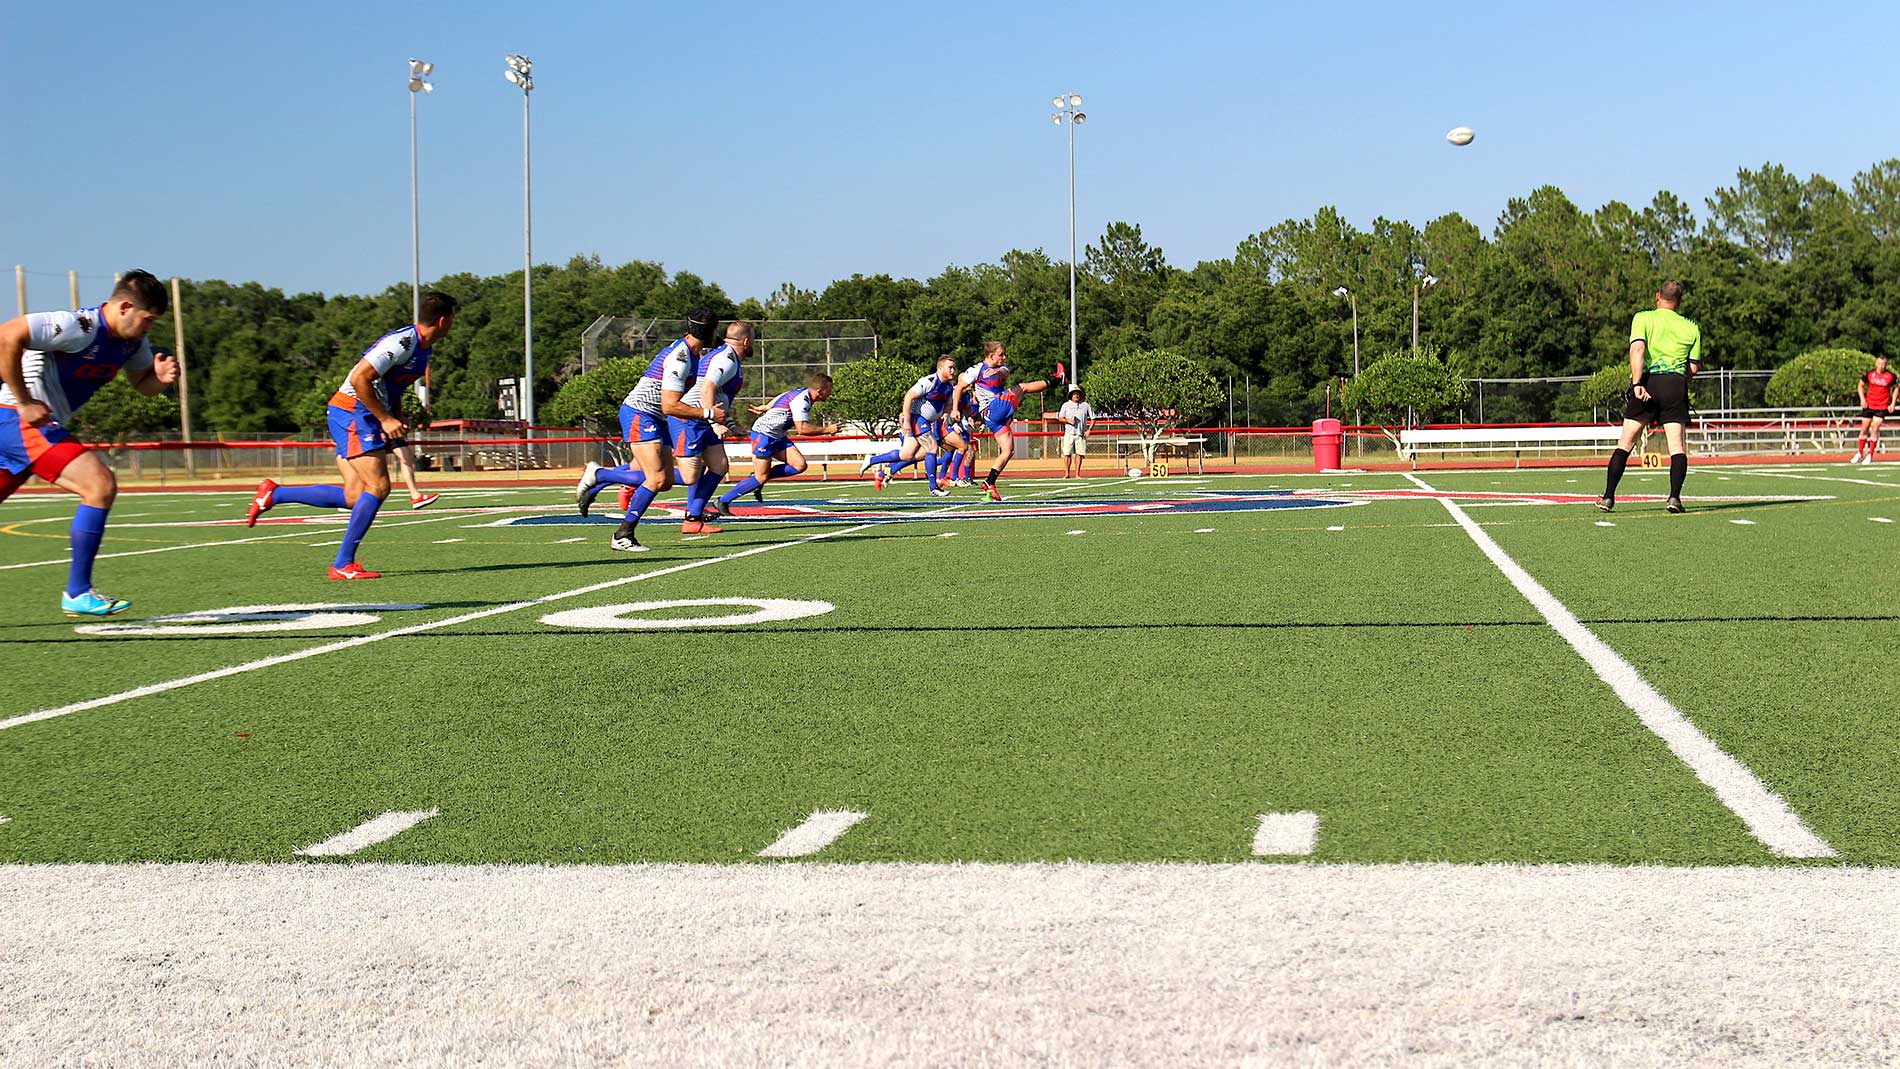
pixel 785 352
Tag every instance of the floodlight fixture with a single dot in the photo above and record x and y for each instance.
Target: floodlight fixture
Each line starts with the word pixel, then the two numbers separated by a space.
pixel 1075 100
pixel 1078 118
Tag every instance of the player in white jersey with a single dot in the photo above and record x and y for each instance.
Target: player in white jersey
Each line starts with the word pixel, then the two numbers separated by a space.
pixel 773 454
pixel 366 424
pixel 660 393
pixel 995 403
pixel 700 443
pixel 50 364
pixel 917 420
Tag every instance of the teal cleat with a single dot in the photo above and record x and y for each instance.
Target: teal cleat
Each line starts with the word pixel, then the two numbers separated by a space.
pixel 92 603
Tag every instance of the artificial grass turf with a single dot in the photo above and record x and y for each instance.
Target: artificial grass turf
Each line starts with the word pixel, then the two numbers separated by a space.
pixel 1137 692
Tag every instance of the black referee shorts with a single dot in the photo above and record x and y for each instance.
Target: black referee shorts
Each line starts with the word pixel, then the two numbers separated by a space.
pixel 1668 401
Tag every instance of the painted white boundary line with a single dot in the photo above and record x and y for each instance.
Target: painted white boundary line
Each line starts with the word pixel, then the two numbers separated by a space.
pixel 227 542
pixel 819 830
pixel 6 820
pixel 363 640
pixel 1766 813
pixel 1286 834
pixel 368 833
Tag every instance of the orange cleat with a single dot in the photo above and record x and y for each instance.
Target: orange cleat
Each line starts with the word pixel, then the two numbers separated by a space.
pixel 261 503
pixel 423 501
pixel 699 527
pixel 353 570
pixel 877 479
pixel 995 494
pixel 625 500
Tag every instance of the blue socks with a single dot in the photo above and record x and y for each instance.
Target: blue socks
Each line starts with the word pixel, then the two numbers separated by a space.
pixel 89 528
pixel 362 514
pixel 636 508
pixel 786 471
pixel 701 493
pixel 746 486
pixel 885 458
pixel 329 496
pixel 621 476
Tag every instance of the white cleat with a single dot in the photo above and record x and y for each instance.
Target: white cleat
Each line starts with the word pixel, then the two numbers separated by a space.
pixel 626 545
pixel 589 485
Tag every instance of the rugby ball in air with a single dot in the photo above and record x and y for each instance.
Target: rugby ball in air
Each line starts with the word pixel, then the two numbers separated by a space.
pixel 1460 135
pixel 1134 473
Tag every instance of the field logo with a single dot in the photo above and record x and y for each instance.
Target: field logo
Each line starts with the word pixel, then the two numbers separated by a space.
pixel 623 618
pixel 250 619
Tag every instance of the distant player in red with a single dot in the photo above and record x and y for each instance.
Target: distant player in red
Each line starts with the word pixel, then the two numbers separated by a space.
pixel 1878 402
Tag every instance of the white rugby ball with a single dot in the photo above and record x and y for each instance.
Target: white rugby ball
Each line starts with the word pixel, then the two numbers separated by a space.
pixel 1134 473
pixel 1460 135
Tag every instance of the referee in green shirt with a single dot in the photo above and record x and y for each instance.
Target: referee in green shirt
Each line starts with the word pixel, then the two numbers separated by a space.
pixel 1665 353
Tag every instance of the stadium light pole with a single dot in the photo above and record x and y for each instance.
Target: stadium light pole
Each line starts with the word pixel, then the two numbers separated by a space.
pixel 1069 113
pixel 1353 298
pixel 1424 281
pixel 521 73
pixel 419 72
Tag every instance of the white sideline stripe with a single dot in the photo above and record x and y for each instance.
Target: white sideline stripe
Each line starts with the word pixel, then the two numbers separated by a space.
pixel 446 541
pixel 1286 834
pixel 1076 532
pixel 6 820
pixel 213 545
pixel 1766 813
pixel 1203 530
pixel 565 541
pixel 819 830
pixel 363 640
pixel 368 833
pixel 1743 523
pixel 1819 478
pixel 1880 519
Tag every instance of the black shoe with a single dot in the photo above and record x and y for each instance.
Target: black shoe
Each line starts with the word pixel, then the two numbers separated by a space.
pixel 1674 505
pixel 714 512
pixel 758 494
pixel 1606 503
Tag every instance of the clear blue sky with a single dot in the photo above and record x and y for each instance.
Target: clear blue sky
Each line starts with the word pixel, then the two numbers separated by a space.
pixel 756 144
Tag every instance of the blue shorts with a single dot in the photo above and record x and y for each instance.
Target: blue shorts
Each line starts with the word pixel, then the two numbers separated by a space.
pixel 21 446
pixel 923 428
pixel 691 437
pixel 355 432
pixel 637 426
pixel 765 447
pixel 998 413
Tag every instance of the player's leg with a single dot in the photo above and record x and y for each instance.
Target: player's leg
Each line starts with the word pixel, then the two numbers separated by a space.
pixel 791 462
pixel 406 459
pixel 1678 462
pixel 365 487
pixel 696 448
pixel 1619 459
pixel 71 467
pixel 655 460
pixel 905 449
pixel 353 434
pixel 1873 437
pixel 719 461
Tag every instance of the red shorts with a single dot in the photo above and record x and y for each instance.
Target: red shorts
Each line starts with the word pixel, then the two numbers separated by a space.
pixel 26 451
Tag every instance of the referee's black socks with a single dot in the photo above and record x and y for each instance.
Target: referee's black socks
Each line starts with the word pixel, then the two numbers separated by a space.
pixel 1618 461
pixel 990 479
pixel 1678 471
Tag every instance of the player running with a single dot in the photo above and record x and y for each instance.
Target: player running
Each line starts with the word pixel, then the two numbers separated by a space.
pixel 918 421
pixel 660 393
pixel 1878 400
pixel 996 401
pixel 700 443
pixel 959 438
pixel 366 424
pixel 50 364
pixel 773 454
pixel 1665 353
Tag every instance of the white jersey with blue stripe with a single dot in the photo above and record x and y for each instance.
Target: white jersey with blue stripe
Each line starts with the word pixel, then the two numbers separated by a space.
pixel 398 358
pixel 671 370
pixel 986 381
pixel 788 410
pixel 69 355
pixel 933 394
pixel 720 378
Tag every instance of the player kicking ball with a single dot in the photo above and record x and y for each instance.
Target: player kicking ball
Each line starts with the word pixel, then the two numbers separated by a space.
pixel 995 404
pixel 365 425
pixel 50 364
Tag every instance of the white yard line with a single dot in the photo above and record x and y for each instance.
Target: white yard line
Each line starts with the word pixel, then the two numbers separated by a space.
pixel 1820 478
pixel 214 545
pixel 368 834
pixel 821 829
pixel 1080 486
pixel 1286 834
pixel 1767 814
pixel 415 629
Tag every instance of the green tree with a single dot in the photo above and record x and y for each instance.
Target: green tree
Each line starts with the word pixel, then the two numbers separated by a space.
pixel 1157 389
pixel 869 392
pixel 1820 377
pixel 119 413
pixel 1408 389
pixel 592 401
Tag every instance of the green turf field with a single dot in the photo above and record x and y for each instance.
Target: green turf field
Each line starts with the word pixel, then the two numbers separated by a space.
pixel 1139 676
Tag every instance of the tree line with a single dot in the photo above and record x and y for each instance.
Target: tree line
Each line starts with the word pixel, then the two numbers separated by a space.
pixel 1776 265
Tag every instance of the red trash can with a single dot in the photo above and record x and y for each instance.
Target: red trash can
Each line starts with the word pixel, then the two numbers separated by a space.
pixel 1328 436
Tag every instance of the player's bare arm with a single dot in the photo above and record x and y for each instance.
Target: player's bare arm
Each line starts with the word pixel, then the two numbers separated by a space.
pixel 1637 350
pixel 363 380
pixel 813 430
pixel 152 380
pixel 673 403
pixel 13 338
